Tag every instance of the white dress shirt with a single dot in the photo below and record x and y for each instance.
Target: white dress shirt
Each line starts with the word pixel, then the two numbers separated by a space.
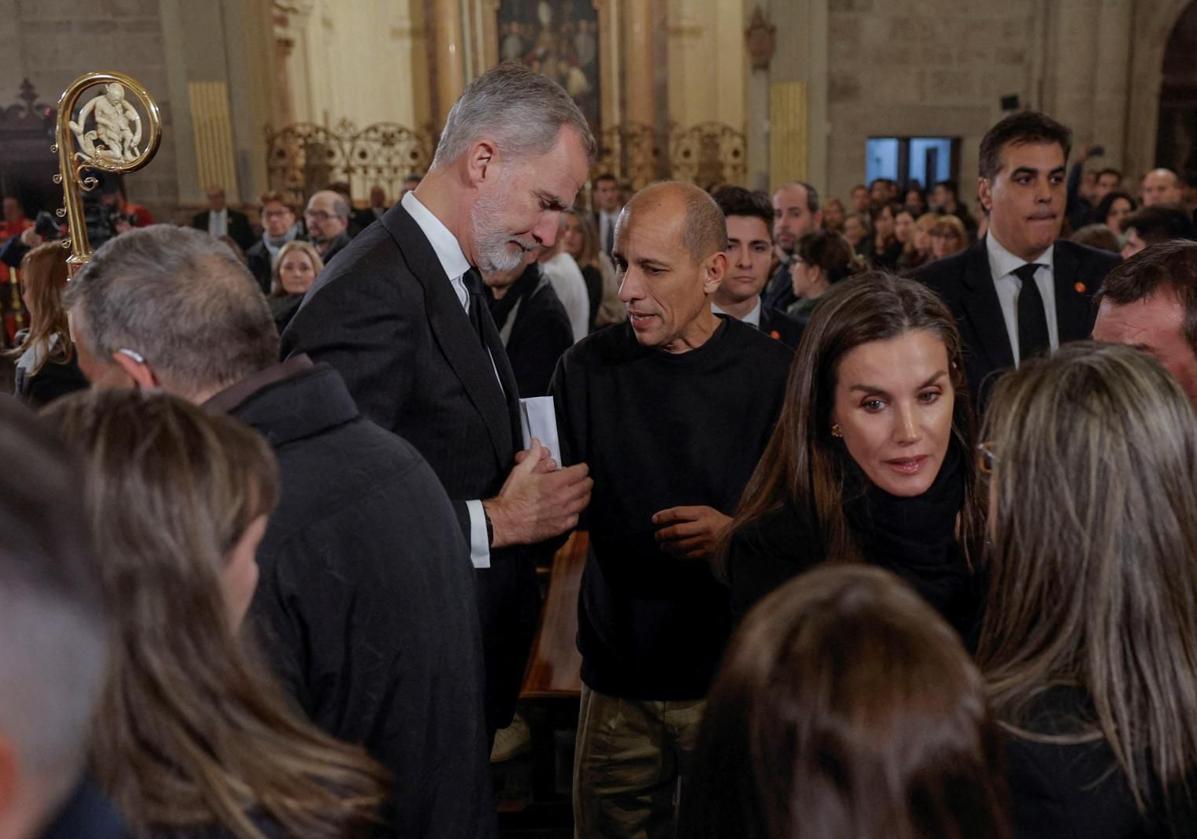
pixel 218 223
pixel 606 228
pixel 569 284
pixel 453 261
pixel 753 318
pixel 1002 265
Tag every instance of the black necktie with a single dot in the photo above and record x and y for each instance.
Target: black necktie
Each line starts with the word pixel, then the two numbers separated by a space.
pixel 610 243
pixel 1032 317
pixel 473 283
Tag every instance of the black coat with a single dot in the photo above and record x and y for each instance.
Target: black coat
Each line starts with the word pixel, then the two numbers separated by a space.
pixel 260 265
pixel 1076 791
pixel 540 331
pixel 966 285
pixel 779 291
pixel 780 326
pixel 364 602
pixel 386 317
pixel 53 380
pixel 87 814
pixel 239 228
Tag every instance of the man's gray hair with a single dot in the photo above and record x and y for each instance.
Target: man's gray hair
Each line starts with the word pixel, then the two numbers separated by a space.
pixel 54 640
pixel 180 299
pixel 521 110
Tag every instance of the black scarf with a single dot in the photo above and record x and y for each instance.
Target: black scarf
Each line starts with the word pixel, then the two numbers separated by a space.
pixel 500 309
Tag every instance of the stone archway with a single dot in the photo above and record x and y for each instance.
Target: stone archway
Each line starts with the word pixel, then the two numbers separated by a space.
pixel 1176 139
pixel 1153 25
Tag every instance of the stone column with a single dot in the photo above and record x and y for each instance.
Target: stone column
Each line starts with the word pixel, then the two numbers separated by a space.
pixel 640 106
pixel 450 67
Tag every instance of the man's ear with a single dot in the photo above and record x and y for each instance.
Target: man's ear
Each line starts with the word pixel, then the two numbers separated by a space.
pixel 985 193
pixel 713 270
pixel 140 374
pixel 479 159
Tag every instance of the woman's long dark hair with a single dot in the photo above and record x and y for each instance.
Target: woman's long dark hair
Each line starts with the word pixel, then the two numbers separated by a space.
pixel 846 708
pixel 802 464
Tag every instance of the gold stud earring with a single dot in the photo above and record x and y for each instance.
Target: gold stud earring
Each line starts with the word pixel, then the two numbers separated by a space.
pixel 835 430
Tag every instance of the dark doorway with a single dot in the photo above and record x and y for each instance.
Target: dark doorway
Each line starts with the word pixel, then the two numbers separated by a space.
pixel 1176 139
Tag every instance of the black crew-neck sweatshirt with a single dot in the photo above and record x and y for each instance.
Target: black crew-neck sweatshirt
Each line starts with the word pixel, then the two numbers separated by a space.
pixel 660 430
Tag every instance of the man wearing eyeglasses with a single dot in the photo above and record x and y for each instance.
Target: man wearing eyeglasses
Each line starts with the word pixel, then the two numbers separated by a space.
pixel 327 220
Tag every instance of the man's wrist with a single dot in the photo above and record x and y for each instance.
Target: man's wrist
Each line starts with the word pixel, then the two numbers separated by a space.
pixel 497 531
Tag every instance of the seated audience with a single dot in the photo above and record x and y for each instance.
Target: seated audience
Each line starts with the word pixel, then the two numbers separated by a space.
pixel 1113 210
pixel 364 607
pixel 1150 302
pixel 189 740
pixel 54 650
pixel 749 217
pixel 845 709
pixel 948 237
pixel 945 200
pixel 860 199
pixel 295 270
pixel 1089 637
pixel 795 213
pixel 580 241
pixel 833 215
pixel 1153 224
pixel 856 231
pixel 872 458
pixel 1097 236
pixel 820 260
pixel 46 367
pixel 1160 186
pixel 883 247
pixel 532 324
pixel 278 228
pixel 218 220
pixel 904 235
pixel 671 411
pixel 915 200
pixel 327 220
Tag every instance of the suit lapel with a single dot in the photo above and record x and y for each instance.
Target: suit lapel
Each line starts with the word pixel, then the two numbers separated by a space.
pixel 1074 301
pixel 980 302
pixel 454 334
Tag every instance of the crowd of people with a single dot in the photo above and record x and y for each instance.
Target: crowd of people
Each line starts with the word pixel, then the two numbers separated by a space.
pixel 889 504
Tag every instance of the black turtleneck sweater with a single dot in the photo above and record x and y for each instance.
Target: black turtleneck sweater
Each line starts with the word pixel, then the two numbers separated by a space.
pixel 660 430
pixel 914 538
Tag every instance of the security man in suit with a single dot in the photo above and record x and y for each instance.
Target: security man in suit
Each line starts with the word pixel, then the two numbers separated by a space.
pixel 1019 292
pixel 401 315
pixel 221 220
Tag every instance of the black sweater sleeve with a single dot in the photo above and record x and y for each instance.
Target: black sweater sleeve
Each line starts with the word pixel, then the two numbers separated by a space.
pixel 766 553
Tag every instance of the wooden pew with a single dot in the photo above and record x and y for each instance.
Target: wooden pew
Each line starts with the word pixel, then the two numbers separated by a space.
pixel 555 666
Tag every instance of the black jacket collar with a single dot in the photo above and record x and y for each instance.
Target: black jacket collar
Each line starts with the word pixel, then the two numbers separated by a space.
pixel 298 405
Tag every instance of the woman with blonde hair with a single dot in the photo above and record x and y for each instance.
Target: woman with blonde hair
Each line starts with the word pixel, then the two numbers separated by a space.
pixel 1089 637
pixel 948 236
pixel 845 709
pixel 190 740
pixel 580 240
pixel 295 270
pixel 46 367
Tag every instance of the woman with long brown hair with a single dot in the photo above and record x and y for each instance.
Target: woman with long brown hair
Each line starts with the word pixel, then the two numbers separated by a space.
pixel 580 240
pixel 1089 638
pixel 190 741
pixel 872 457
pixel 45 357
pixel 845 709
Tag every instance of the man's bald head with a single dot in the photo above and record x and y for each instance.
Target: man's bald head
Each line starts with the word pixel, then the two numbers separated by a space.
pixel 703 228
pixel 1161 186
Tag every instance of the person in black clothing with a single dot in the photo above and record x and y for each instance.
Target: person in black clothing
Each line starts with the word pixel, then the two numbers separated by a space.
pixel 671 410
pixel 1019 292
pixel 871 460
pixel 364 604
pixel 845 707
pixel 278 228
pixel 821 259
pixel 749 218
pixel 532 324
pixel 54 626
pixel 1090 628
pixel 46 367
pixel 795 214
pixel 221 220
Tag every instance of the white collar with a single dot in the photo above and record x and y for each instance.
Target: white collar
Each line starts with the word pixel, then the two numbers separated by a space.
pixel 1002 262
pixel 443 242
pixel 753 318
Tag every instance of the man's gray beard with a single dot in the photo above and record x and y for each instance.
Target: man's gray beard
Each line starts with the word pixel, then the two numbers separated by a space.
pixel 495 254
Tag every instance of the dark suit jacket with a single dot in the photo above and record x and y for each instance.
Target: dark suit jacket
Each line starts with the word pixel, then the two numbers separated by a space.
pixel 240 230
pixel 965 284
pixel 540 334
pixel 385 316
pixel 259 262
pixel 779 325
pixel 779 291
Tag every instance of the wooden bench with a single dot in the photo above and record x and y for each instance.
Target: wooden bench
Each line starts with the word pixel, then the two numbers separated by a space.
pixel 555 666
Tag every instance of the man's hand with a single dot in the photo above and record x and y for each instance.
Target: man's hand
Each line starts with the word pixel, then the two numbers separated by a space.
pixel 535 504
pixel 690 532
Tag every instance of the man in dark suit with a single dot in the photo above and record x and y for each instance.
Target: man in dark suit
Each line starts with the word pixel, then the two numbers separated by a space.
pixel 795 213
pixel 220 220
pixel 749 217
pixel 401 315
pixel 327 220
pixel 607 205
pixel 1019 292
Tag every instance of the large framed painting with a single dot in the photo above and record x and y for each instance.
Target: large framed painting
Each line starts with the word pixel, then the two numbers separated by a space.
pixel 559 38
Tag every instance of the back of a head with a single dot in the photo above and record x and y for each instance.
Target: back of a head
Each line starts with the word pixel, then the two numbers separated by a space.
pixel 737 201
pixel 1097 236
pixel 846 708
pixel 830 251
pixel 523 111
pixel 1160 223
pixel 183 301
pixel 53 633
pixel 1095 542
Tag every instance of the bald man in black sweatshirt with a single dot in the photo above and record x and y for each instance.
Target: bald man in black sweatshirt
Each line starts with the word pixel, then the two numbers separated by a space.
pixel 672 410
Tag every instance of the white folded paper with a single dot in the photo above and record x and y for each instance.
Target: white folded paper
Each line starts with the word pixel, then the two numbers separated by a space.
pixel 538 419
